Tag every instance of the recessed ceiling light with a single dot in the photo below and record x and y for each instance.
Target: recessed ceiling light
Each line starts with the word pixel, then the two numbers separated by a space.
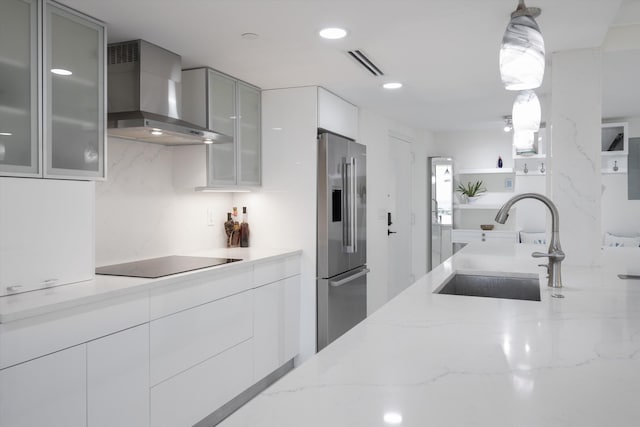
pixel 156 132
pixel 393 418
pixel 249 36
pixel 61 71
pixel 6 133
pixel 208 141
pixel 333 33
pixel 392 85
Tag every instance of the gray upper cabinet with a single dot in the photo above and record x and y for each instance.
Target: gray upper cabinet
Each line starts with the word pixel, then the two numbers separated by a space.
pixel 248 135
pixel 55 76
pixel 221 103
pixel 19 35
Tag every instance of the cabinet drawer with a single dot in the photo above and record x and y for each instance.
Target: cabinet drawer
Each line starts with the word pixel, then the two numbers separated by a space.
pixel 470 236
pixel 185 399
pixel 200 288
pixel 274 270
pixel 36 336
pixel 189 337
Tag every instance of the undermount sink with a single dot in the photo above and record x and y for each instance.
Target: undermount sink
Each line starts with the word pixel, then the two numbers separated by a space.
pixel 509 287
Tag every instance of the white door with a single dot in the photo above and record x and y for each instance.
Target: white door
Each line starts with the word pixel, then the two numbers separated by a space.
pixel 400 210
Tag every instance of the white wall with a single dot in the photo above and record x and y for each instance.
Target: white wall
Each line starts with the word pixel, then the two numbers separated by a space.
pixel 374 131
pixel 476 149
pixel 141 214
pixel 573 176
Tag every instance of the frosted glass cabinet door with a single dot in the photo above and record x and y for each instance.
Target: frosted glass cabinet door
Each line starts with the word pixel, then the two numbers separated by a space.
pixel 19 88
pixel 73 94
pixel 222 118
pixel 249 135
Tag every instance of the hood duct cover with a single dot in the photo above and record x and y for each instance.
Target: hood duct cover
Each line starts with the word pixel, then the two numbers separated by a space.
pixel 145 97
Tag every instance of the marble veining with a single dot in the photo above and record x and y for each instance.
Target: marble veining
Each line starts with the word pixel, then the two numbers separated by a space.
pixel 444 360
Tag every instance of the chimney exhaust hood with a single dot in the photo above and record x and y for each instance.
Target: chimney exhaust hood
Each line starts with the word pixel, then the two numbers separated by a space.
pixel 145 97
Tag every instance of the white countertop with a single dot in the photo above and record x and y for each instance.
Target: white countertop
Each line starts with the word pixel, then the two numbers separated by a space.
pixel 35 303
pixel 447 360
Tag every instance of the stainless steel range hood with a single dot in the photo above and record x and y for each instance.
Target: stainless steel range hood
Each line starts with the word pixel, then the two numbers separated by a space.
pixel 145 97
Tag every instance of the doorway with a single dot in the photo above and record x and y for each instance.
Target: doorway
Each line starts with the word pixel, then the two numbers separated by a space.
pixel 399 216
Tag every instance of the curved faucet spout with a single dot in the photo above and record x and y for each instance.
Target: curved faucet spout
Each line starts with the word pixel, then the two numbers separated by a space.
pixel 555 253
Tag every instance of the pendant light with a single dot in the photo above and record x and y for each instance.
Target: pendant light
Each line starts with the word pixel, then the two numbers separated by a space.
pixel 526 112
pixel 522 51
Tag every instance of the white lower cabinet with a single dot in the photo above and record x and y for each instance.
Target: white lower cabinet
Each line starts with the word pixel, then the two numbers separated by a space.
pixel 118 379
pixel 185 399
pixel 275 325
pixel 170 357
pixel 48 391
pixel 189 337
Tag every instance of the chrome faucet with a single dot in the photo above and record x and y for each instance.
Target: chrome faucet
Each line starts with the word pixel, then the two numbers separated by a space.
pixel 554 253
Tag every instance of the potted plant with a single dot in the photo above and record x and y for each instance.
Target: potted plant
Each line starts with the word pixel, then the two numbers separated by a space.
pixel 471 191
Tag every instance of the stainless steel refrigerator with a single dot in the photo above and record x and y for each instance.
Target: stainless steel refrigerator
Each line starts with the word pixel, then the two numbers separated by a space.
pixel 342 237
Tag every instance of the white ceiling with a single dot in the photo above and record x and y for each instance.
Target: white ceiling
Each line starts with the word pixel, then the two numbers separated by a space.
pixel 444 51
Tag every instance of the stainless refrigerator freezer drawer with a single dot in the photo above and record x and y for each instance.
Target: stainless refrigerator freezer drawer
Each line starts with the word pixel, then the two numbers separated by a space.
pixel 342 304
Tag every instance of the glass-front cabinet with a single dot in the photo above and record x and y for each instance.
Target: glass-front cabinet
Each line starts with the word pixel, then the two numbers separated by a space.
pixel 19 35
pixel 248 135
pixel 231 107
pixel 52 106
pixel 74 94
pixel 221 157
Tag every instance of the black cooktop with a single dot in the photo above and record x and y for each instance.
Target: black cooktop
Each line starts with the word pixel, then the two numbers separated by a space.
pixel 163 266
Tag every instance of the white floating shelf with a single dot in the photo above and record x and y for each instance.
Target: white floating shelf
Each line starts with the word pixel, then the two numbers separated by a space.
pixel 484 171
pixel 619 153
pixel 610 171
pixel 533 156
pixel 531 173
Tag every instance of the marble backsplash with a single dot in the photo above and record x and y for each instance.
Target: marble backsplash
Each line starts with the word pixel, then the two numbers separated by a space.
pixel 148 207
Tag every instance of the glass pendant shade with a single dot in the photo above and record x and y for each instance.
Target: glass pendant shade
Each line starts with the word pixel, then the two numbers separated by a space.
pixel 524 143
pixel 526 112
pixel 522 54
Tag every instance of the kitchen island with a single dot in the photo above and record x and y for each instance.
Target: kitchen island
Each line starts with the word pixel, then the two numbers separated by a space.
pixel 449 360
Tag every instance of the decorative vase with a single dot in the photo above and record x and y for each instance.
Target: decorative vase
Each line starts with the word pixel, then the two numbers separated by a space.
pixel 472 199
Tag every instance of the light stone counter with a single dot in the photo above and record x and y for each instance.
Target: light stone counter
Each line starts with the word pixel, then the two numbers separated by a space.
pixel 446 360
pixel 103 288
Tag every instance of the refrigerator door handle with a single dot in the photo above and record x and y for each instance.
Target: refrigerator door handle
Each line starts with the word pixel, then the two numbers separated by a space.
pixel 346 280
pixel 354 218
pixel 346 233
pixel 350 226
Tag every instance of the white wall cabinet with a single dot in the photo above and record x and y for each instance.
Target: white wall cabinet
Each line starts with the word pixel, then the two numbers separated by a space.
pixel 48 391
pixel 57 244
pixel 52 119
pixel 224 104
pixel 118 379
pixel 614 147
pixel 337 115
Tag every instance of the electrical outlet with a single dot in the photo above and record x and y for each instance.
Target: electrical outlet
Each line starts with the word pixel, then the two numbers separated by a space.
pixel 210 217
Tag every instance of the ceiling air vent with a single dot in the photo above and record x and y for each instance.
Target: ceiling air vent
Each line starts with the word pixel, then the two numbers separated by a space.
pixel 123 53
pixel 362 59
